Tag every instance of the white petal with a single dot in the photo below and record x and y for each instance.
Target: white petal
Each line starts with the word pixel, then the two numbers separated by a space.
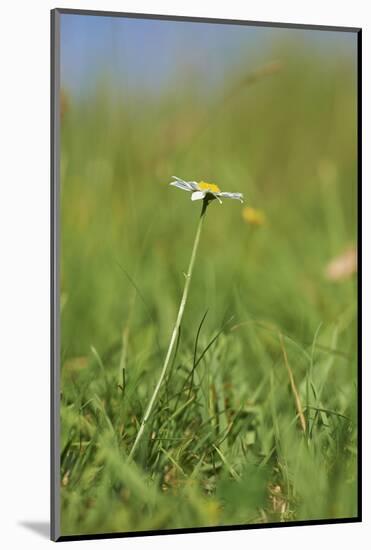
pixel 237 196
pixel 215 195
pixel 186 185
pixel 198 195
pixel 194 185
pixel 181 185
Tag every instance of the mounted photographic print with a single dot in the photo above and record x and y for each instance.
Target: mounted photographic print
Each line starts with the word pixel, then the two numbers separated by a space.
pixel 205 302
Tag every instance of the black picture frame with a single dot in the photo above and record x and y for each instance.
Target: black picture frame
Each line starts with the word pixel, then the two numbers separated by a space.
pixel 55 279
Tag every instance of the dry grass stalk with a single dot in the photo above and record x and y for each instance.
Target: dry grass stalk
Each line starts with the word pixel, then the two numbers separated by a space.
pixel 298 404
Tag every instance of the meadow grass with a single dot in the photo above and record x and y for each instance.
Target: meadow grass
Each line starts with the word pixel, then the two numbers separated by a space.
pixel 256 419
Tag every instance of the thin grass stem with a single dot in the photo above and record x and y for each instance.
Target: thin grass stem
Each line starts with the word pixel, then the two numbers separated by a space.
pixel 188 277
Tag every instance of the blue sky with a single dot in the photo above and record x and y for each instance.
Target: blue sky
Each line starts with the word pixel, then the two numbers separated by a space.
pixel 149 55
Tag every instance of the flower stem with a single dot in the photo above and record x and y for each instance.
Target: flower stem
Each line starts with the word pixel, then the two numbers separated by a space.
pixel 178 321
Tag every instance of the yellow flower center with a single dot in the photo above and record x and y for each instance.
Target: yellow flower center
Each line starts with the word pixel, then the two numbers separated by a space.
pixel 208 187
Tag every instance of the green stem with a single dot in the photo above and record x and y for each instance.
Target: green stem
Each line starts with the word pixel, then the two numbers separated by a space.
pixel 175 330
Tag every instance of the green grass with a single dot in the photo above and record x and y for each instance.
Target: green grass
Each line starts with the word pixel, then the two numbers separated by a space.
pixel 224 444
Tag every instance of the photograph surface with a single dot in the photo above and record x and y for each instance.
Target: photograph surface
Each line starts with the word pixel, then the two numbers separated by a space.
pixel 207 369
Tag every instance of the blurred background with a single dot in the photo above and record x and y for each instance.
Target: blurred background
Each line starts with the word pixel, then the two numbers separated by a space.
pixel 267 112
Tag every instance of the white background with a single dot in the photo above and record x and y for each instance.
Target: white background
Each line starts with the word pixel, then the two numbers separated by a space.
pixel 24 269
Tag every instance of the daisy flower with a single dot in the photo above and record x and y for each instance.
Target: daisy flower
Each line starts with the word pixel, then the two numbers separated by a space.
pixel 200 191
pixel 204 190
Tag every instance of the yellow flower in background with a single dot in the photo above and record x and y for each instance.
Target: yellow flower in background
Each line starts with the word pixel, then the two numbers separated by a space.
pixel 253 216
